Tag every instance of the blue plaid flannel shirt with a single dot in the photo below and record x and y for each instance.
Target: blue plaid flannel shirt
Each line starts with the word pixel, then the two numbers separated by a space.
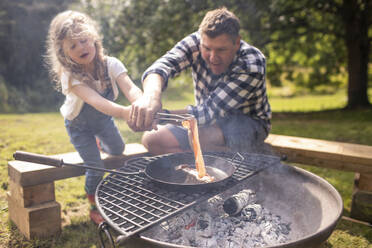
pixel 242 89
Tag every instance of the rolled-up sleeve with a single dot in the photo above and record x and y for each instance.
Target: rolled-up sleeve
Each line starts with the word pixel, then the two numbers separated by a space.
pixel 176 60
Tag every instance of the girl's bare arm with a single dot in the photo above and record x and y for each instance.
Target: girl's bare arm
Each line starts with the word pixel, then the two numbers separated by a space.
pixel 129 89
pixel 100 103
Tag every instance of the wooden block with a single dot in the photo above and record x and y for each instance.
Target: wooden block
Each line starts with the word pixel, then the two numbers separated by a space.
pixel 31 195
pixel 328 154
pixel 29 174
pixel 42 220
pixel 356 153
pixel 361 206
pixel 131 151
pixel 363 182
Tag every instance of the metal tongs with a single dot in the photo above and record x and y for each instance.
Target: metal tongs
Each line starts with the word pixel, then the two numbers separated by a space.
pixel 167 117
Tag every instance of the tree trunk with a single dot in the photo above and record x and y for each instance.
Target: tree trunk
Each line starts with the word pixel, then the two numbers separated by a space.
pixel 357 43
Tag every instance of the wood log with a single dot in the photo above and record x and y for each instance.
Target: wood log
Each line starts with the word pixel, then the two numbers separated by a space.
pixel 322 153
pixel 41 220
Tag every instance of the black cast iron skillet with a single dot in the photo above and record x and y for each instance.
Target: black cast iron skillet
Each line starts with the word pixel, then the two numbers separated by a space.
pixel 163 170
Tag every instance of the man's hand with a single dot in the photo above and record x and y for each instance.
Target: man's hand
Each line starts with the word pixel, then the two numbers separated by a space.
pixel 142 113
pixel 144 109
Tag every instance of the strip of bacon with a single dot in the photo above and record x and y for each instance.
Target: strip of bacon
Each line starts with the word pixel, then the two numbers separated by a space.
pixel 193 172
pixel 192 125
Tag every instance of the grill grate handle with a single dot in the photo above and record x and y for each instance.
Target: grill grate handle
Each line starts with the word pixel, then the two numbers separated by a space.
pixel 104 228
pixel 36 158
pixel 58 162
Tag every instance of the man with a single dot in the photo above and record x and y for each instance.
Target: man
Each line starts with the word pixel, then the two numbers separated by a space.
pixel 232 108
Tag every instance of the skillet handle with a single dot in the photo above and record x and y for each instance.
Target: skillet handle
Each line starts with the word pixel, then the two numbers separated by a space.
pixel 58 162
pixel 37 158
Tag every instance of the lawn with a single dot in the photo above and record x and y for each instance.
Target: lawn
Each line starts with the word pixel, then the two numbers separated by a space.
pixel 44 133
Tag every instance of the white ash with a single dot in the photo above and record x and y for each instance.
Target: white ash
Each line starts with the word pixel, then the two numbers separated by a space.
pixel 207 225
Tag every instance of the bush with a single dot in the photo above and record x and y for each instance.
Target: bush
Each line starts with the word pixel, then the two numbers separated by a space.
pixel 3 96
pixel 43 97
pixel 16 101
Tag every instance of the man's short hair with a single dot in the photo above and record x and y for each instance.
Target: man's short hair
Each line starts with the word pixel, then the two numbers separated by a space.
pixel 220 21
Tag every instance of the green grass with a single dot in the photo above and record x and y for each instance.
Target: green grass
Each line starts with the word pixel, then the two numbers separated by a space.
pixel 45 134
pixel 306 103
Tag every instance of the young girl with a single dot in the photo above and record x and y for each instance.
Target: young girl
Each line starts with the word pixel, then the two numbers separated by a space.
pixel 90 81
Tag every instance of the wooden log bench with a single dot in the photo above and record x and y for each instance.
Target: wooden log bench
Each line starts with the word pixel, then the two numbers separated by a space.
pixel 33 208
pixel 32 205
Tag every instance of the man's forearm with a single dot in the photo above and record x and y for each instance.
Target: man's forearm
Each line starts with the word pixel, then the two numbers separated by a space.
pixel 152 86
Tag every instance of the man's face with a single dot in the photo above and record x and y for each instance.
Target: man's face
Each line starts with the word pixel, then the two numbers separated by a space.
pixel 219 52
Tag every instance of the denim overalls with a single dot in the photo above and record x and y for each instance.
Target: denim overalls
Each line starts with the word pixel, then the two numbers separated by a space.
pixel 83 130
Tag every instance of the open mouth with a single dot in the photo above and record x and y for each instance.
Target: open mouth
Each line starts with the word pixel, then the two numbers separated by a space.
pixel 84 55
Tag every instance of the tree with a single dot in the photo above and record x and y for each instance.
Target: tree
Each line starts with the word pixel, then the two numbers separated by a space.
pixel 148 28
pixel 321 36
pixel 23 30
pixel 357 20
pixel 310 42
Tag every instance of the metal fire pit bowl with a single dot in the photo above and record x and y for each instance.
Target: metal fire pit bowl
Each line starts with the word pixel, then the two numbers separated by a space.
pixel 308 202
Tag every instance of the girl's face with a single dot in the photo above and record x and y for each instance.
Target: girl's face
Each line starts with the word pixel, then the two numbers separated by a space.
pixel 80 50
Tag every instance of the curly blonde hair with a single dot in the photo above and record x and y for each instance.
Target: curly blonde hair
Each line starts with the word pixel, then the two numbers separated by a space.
pixel 71 25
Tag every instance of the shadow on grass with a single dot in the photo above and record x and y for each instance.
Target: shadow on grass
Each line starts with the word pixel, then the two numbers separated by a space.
pixel 355 229
pixel 326 245
pixel 362 114
pixel 334 125
pixel 349 234
pixel 82 234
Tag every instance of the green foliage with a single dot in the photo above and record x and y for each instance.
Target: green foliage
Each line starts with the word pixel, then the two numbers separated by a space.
pixel 147 30
pixel 303 45
pixel 23 29
pixel 304 41
pixel 38 99
pixel 3 96
pixel 312 38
